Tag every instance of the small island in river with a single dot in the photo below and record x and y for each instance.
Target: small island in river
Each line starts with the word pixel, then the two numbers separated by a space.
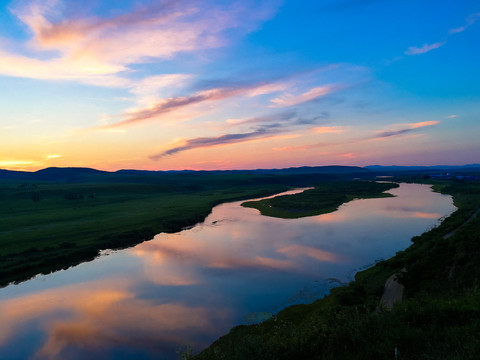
pixel 322 199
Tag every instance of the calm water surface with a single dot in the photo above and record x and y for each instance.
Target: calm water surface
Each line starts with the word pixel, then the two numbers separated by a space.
pixel 187 289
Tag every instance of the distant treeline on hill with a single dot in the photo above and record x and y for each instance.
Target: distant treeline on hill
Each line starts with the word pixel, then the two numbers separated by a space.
pixel 79 174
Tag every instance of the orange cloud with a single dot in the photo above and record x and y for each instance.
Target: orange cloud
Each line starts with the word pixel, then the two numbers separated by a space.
pixel 423 124
pixel 329 129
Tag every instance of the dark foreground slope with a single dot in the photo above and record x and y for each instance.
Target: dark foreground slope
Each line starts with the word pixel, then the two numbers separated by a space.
pixel 59 217
pixel 439 317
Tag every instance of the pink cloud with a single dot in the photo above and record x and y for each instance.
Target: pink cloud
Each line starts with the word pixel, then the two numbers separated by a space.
pixel 156 108
pixel 400 129
pixel 164 106
pixel 87 48
pixel 349 155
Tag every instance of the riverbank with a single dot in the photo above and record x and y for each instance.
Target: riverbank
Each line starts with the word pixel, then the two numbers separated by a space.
pixel 439 316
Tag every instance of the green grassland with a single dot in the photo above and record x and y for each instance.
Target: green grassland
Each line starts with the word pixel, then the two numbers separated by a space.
pixel 324 198
pixel 439 317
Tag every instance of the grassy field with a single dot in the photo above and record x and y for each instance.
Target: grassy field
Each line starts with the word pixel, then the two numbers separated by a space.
pixel 439 317
pixel 324 198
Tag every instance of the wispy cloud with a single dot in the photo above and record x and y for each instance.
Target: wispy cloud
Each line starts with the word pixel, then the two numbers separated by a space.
pixel 472 19
pixel 394 130
pixel 16 163
pixel 412 50
pixel 401 129
pixel 289 99
pixel 203 142
pixel 169 105
pixel 53 156
pixel 289 117
pixel 197 91
pixel 266 127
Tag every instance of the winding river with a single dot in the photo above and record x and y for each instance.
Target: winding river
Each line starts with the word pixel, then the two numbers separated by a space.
pixel 182 291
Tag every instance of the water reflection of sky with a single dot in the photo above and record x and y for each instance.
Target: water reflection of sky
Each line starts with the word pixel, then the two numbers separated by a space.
pixel 188 288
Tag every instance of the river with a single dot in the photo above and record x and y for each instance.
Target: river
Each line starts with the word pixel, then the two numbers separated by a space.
pixel 182 291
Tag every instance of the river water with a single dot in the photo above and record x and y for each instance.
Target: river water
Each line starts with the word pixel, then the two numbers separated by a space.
pixel 182 291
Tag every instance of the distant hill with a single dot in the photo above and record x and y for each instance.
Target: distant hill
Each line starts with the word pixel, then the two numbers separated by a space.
pixel 76 174
pixel 15 175
pixel 332 169
pixel 469 167
pixel 80 174
pixel 69 174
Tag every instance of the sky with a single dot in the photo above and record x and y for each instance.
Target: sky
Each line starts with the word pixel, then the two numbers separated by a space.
pixel 247 84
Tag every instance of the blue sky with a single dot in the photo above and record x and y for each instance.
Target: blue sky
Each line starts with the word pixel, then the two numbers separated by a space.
pixel 238 84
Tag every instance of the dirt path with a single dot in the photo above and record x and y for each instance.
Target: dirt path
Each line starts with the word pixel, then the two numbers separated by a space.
pixel 393 291
pixel 451 233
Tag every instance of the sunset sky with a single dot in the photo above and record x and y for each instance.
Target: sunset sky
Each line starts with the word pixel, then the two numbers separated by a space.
pixel 185 84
